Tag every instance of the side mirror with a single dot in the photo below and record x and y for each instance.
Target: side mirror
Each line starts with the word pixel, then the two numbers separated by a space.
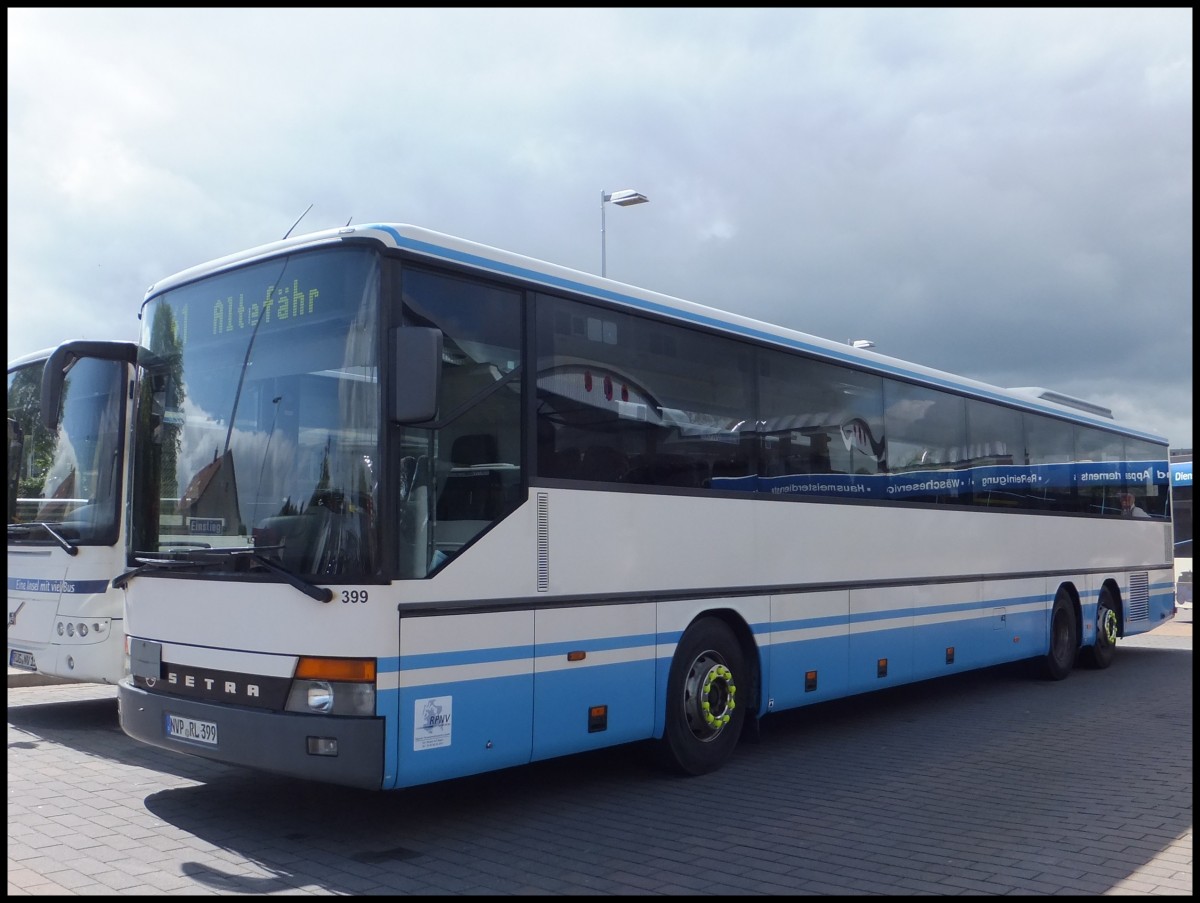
pixel 63 358
pixel 416 373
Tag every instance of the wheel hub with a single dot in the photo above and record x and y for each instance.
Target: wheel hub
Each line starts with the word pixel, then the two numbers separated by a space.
pixel 1109 626
pixel 709 696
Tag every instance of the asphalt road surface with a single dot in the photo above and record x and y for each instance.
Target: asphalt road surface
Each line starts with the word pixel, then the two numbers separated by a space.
pixel 988 783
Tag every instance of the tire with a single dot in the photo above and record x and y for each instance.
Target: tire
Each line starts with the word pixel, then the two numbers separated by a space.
pixel 1059 660
pixel 1108 627
pixel 704 717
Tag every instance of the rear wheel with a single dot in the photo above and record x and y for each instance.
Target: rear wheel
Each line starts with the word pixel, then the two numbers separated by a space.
pixel 1060 659
pixel 1108 628
pixel 704 716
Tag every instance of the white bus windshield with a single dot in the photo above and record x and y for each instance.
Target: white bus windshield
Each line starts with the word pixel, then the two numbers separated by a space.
pixel 260 420
pixel 66 479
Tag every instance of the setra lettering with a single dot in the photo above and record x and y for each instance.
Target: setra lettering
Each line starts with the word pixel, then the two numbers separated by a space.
pixel 215 686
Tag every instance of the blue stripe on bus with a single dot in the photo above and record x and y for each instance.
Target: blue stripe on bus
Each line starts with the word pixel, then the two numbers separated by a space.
pixel 465 657
pixel 598 644
pixel 1159 591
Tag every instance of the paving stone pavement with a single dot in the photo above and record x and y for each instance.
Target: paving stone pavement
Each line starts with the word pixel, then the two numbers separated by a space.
pixel 988 783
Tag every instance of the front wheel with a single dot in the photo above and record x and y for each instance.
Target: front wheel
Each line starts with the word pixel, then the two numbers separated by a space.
pixel 704 713
pixel 1064 645
pixel 1108 628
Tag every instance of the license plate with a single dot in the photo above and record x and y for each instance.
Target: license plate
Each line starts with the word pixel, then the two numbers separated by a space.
pixel 22 660
pixel 190 729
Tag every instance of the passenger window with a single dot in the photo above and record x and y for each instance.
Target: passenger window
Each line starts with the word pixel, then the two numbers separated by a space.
pixel 628 399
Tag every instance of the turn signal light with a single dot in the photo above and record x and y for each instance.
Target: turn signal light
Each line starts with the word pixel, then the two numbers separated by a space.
pixel 352 669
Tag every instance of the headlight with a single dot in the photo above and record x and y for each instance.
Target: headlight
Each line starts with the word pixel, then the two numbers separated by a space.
pixel 331 697
pixel 333 686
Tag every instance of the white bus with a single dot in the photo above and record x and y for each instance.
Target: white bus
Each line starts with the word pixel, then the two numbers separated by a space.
pixel 441 509
pixel 68 445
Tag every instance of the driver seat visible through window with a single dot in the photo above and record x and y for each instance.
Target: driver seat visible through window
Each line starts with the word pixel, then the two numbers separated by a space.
pixel 473 489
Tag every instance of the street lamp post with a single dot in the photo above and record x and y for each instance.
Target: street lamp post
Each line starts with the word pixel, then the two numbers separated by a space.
pixel 626 197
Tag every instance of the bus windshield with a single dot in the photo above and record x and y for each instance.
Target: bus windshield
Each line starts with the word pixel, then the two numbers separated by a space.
pixel 66 480
pixel 259 415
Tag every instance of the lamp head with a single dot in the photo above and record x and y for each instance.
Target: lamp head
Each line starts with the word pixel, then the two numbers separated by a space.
pixel 626 197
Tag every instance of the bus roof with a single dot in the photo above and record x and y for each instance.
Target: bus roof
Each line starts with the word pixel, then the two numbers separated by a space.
pixel 30 358
pixel 447 248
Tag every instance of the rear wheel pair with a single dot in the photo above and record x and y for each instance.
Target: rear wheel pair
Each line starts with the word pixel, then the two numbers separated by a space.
pixel 1064 637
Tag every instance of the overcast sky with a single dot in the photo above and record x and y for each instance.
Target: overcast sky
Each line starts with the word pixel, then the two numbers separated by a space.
pixel 1003 194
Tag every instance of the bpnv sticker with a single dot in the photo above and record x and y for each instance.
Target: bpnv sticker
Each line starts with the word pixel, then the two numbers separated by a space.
pixel 431 724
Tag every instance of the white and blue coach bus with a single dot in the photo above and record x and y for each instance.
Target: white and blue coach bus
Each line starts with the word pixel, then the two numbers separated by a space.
pixel 68 445
pixel 408 508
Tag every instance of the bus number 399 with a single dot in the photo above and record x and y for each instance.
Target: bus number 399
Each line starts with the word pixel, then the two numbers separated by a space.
pixel 353 596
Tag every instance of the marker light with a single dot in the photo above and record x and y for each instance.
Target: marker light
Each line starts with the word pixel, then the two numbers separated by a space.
pixel 354 669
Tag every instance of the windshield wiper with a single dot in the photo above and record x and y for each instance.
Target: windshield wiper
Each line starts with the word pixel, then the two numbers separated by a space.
pixel 146 565
pixel 181 558
pixel 69 547
pixel 320 593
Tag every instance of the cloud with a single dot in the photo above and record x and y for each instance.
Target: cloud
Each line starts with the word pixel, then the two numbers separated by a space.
pixel 1002 193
